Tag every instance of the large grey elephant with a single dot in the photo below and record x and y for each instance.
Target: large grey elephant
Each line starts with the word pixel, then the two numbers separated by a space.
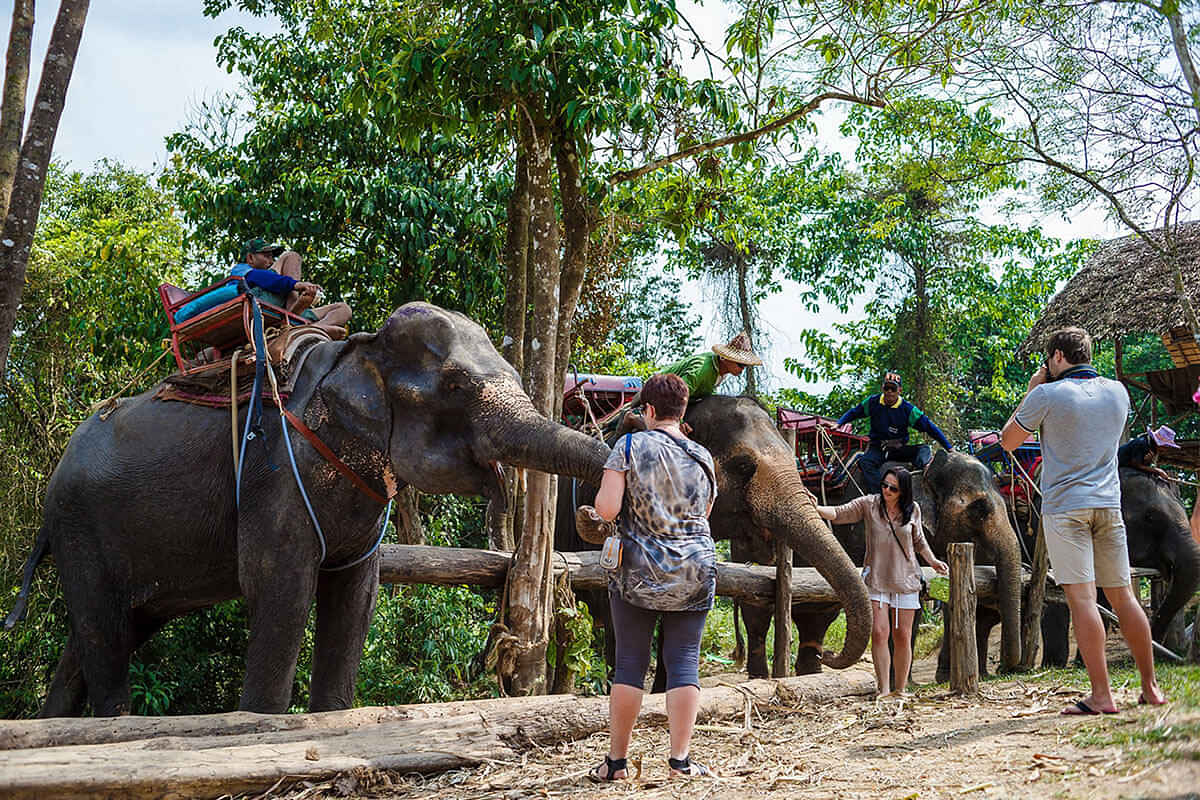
pixel 142 521
pixel 759 496
pixel 959 503
pixel 1159 537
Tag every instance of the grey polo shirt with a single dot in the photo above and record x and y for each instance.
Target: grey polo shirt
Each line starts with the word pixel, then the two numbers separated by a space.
pixel 1082 420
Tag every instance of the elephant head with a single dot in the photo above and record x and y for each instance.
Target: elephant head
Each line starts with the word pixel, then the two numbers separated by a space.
pixel 969 509
pixel 760 492
pixel 456 410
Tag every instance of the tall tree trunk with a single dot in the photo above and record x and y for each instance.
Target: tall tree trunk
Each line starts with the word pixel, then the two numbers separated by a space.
pixel 746 311
pixel 501 522
pixel 920 338
pixel 16 85
pixel 529 608
pixel 409 529
pixel 577 225
pixel 19 225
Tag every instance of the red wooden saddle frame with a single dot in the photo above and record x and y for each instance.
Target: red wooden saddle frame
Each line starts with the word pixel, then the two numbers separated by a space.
pixel 223 327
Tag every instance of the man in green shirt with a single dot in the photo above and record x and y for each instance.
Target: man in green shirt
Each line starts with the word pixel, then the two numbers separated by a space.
pixel 702 372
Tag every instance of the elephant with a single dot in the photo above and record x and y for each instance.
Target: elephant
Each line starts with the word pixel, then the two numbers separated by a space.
pixel 144 523
pixel 1159 537
pixel 959 503
pixel 759 495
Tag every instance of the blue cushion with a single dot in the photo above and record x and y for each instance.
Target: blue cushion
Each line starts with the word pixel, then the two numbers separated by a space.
pixel 206 301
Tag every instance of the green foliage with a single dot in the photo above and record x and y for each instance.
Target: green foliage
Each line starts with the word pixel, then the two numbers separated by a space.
pixel 89 324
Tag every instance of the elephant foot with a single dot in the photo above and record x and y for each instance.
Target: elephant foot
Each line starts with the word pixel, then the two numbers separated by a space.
pixel 942 675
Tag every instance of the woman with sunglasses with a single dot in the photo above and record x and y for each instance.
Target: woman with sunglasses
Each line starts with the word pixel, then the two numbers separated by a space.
pixel 892 522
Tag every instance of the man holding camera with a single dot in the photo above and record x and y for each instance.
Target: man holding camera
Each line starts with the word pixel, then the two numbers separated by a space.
pixel 1082 416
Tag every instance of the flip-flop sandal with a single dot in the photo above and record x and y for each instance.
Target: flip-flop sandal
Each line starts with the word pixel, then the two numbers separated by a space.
pixel 611 767
pixel 1142 701
pixel 1082 709
pixel 688 768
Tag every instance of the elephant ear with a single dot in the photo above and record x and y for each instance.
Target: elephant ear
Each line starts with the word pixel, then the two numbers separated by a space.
pixel 937 475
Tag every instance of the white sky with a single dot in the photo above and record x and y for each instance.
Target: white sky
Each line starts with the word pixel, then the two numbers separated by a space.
pixel 144 64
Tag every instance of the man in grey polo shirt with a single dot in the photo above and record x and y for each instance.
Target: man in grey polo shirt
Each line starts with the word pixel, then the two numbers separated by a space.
pixel 1082 417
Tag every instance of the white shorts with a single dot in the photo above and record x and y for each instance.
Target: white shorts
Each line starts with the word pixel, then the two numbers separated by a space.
pixel 911 600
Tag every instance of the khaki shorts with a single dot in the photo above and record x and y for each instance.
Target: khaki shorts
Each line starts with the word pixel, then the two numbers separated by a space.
pixel 1088 546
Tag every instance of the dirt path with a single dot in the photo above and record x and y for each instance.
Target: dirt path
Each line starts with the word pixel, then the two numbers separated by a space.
pixel 1009 743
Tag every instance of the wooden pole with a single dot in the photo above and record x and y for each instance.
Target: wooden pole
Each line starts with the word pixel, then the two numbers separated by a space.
pixel 1031 625
pixel 964 660
pixel 783 610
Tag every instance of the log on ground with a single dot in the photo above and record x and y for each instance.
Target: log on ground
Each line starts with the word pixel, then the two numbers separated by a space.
pixel 193 759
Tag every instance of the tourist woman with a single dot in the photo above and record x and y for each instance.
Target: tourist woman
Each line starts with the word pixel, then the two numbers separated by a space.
pixel 659 486
pixel 892 523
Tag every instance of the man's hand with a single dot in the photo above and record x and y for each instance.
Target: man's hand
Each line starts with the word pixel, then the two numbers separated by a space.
pixel 1158 473
pixel 306 288
pixel 1038 378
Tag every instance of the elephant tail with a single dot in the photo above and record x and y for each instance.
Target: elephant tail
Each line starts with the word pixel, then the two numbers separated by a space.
pixel 40 548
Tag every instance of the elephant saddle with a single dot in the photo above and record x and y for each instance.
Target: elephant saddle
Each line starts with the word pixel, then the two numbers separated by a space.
pixel 218 385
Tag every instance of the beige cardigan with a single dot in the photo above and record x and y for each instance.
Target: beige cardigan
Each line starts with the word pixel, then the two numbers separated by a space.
pixel 892 569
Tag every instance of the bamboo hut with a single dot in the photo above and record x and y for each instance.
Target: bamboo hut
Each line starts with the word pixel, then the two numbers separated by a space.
pixel 1126 288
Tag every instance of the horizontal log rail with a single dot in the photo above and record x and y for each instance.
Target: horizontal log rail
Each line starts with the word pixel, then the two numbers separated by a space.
pixel 461 566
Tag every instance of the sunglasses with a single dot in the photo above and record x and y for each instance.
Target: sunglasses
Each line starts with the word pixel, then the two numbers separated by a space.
pixel 890 487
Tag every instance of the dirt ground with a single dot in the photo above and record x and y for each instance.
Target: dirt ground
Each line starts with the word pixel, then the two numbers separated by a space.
pixel 1010 742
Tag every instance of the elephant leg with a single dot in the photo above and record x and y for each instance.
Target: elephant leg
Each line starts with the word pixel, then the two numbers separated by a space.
pixel 102 628
pixel 757 619
pixel 278 603
pixel 1056 622
pixel 986 619
pixel 345 604
pixel 68 690
pixel 943 665
pixel 811 625
pixel 660 665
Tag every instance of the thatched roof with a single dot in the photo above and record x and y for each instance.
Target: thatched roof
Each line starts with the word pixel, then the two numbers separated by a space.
pixel 1124 288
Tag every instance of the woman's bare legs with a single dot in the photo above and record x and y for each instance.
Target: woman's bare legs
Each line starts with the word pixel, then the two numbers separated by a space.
pixel 902 644
pixel 880 630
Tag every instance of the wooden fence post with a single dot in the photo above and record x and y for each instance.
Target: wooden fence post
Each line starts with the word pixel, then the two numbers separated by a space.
pixel 1031 627
pixel 783 610
pixel 964 659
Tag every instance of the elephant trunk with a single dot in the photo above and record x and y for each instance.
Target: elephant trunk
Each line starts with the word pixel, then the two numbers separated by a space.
pixel 1003 542
pixel 793 518
pixel 524 438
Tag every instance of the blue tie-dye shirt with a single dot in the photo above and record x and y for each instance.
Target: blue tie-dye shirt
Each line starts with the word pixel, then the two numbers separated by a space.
pixel 668 562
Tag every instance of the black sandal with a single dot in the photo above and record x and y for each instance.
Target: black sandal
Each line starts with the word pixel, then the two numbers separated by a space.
pixel 611 766
pixel 685 766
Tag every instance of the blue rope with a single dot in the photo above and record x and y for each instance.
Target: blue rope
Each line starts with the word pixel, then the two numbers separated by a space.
pixel 382 530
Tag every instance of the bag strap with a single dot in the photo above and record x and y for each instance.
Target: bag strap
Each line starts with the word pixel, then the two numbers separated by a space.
pixel 712 480
pixel 896 536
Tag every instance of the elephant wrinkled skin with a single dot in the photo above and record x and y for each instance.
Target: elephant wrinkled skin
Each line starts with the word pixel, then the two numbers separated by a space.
pixel 141 518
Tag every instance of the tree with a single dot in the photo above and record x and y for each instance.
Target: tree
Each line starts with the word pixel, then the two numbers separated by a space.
pixel 16 84
pixel 1105 99
pixel 21 217
pixel 90 326
pixel 906 231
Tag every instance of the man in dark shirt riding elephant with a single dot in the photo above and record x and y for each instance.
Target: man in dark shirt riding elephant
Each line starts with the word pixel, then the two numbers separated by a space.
pixel 891 416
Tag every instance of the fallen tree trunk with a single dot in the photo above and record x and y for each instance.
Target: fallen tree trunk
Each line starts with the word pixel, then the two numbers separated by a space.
pixel 453 566
pixel 232 753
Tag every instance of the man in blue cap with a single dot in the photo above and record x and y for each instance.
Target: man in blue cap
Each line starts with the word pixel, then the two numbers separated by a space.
pixel 891 416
